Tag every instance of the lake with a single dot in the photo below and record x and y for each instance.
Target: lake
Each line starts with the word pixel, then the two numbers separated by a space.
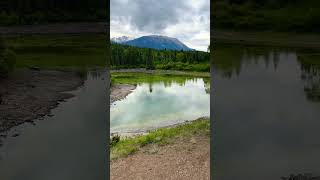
pixel 160 103
pixel 69 145
pixel 266 111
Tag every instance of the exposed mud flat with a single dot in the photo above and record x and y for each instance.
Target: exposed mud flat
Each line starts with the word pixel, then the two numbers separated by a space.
pixel 27 95
pixel 120 91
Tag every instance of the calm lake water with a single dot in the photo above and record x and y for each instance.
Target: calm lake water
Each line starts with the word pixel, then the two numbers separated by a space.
pixel 69 145
pixel 267 112
pixel 159 104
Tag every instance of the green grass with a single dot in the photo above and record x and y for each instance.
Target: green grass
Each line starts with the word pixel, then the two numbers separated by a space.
pixel 180 66
pixel 166 77
pixel 60 51
pixel 160 136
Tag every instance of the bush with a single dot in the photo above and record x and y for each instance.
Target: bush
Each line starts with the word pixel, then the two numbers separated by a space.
pixel 7 59
pixel 296 16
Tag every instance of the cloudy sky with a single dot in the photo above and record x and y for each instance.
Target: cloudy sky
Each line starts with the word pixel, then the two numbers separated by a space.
pixel 187 20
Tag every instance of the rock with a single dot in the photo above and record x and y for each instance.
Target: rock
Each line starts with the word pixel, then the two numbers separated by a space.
pixel 35 68
pixel 31 86
pixel 193 141
pixel 41 114
pixel 30 121
pixel 15 135
pixel 61 100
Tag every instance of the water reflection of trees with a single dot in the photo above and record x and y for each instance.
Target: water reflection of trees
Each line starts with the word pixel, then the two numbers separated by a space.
pixel 310 74
pixel 207 87
pixel 95 74
pixel 228 61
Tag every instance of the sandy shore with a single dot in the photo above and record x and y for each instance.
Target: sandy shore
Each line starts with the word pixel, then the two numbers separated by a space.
pixel 27 95
pixel 120 91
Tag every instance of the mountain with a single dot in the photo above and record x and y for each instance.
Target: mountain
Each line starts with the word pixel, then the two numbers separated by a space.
pixel 121 39
pixel 158 42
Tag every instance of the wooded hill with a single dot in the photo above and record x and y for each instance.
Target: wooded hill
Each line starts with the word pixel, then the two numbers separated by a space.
pixel 274 15
pixel 125 56
pixel 17 12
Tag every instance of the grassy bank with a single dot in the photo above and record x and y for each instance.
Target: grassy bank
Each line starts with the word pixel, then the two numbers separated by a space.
pixel 160 136
pixel 59 51
pixel 174 66
pixel 180 66
pixel 267 38
pixel 156 76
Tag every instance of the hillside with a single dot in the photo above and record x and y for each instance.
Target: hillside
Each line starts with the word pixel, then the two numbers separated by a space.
pixel 267 15
pixel 158 42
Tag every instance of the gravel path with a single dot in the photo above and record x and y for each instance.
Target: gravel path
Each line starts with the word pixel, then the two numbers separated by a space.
pixel 185 159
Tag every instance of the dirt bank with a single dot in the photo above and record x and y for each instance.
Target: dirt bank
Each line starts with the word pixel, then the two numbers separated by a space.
pixel 188 158
pixel 120 91
pixel 27 95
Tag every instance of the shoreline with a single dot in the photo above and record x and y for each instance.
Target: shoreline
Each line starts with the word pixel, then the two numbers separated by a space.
pixel 30 95
pixel 55 28
pixel 120 91
pixel 267 38
pixel 146 131
pixel 157 152
pixel 161 72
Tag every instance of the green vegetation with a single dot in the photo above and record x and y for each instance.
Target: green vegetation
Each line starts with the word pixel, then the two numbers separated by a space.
pixel 166 77
pixel 124 56
pixel 310 74
pixel 160 136
pixel 274 15
pixel 7 59
pixel 60 51
pixel 229 59
pixel 17 12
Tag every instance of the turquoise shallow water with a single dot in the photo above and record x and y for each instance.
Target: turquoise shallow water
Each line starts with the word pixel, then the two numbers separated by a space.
pixel 159 104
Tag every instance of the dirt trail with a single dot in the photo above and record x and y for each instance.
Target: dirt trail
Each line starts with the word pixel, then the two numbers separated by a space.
pixel 185 159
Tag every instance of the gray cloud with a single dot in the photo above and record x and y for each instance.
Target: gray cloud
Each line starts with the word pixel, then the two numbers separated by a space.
pixel 149 15
pixel 187 20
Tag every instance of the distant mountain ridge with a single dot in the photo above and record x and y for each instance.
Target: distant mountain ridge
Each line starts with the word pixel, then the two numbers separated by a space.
pixel 121 39
pixel 157 42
